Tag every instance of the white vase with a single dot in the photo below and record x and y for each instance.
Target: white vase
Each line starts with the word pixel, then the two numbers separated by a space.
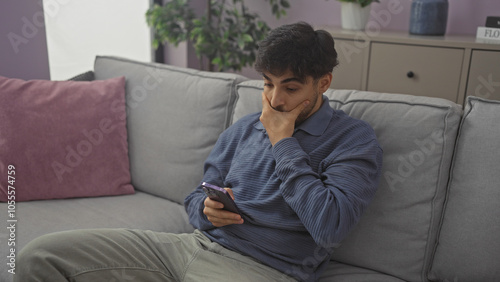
pixel 353 16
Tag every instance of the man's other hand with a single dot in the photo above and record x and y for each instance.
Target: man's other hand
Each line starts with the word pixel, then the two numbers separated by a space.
pixel 278 124
pixel 219 217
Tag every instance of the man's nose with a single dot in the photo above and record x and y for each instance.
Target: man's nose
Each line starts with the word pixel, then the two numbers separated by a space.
pixel 278 100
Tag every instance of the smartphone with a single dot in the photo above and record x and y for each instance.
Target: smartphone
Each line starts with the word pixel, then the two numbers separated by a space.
pixel 220 195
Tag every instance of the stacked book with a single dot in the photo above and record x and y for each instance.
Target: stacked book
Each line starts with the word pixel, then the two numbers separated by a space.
pixel 490 32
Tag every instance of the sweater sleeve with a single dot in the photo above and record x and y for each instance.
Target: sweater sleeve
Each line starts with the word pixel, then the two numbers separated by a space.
pixel 194 205
pixel 329 202
pixel 215 169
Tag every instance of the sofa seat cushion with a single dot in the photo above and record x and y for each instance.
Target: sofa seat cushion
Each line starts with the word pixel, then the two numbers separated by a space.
pixel 339 272
pixel 137 211
pixel 174 117
pixel 469 241
pixel 396 234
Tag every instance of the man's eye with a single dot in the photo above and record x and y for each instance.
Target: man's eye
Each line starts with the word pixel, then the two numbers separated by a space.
pixel 291 89
pixel 268 85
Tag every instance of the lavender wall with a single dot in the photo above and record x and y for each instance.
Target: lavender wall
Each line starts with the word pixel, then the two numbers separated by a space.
pixel 464 16
pixel 23 45
pixel 28 59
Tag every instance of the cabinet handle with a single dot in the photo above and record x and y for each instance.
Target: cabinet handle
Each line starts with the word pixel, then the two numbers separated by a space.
pixel 410 74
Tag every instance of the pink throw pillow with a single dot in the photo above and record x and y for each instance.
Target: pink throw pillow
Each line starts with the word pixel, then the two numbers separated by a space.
pixel 63 139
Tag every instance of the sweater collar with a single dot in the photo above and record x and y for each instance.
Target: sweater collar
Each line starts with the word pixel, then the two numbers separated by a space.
pixel 314 125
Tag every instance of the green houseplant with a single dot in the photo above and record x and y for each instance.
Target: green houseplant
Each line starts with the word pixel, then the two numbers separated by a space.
pixel 226 34
pixel 363 3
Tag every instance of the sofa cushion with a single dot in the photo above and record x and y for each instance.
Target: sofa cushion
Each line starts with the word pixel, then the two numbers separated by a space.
pixel 174 117
pixel 86 76
pixel 397 232
pixel 249 99
pixel 63 139
pixel 468 245
pixel 138 211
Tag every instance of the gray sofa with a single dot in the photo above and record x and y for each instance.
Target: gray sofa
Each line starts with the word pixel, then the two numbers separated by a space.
pixel 435 216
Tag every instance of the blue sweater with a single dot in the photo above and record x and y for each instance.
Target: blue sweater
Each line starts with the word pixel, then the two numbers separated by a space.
pixel 298 199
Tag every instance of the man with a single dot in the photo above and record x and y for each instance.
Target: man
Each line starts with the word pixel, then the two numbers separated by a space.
pixel 300 173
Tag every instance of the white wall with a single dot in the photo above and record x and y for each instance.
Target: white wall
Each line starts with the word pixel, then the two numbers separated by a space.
pixel 78 30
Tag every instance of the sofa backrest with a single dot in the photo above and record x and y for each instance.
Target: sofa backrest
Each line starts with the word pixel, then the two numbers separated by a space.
pixel 174 117
pixel 397 233
pixel 469 241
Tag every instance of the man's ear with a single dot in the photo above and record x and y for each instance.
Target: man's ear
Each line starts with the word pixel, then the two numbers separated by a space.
pixel 324 82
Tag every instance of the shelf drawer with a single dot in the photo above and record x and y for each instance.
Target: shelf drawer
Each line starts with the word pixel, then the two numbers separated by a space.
pixel 416 70
pixel 484 75
pixel 348 74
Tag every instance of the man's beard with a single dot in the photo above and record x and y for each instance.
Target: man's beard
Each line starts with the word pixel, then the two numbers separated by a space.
pixel 307 111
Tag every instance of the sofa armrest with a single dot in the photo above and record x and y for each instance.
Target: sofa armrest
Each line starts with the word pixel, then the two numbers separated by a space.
pixel 86 76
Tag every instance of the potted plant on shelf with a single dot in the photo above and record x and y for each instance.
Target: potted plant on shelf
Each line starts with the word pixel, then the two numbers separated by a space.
pixel 226 35
pixel 355 13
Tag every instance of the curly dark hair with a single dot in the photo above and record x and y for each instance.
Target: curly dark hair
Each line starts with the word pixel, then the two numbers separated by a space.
pixel 298 48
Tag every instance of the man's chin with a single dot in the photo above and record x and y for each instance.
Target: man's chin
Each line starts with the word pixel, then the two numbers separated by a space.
pixel 301 118
pixel 305 114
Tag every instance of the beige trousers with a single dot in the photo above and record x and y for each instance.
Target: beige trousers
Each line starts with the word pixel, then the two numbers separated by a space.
pixel 114 255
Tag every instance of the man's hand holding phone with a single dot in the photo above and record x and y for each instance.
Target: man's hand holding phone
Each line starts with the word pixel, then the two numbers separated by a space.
pixel 219 206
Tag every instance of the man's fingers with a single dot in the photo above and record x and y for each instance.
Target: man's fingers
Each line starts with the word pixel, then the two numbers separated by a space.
pixel 219 217
pixel 300 107
pixel 265 102
pixel 266 105
pixel 221 214
pixel 213 204
pixel 230 191
pixel 218 222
